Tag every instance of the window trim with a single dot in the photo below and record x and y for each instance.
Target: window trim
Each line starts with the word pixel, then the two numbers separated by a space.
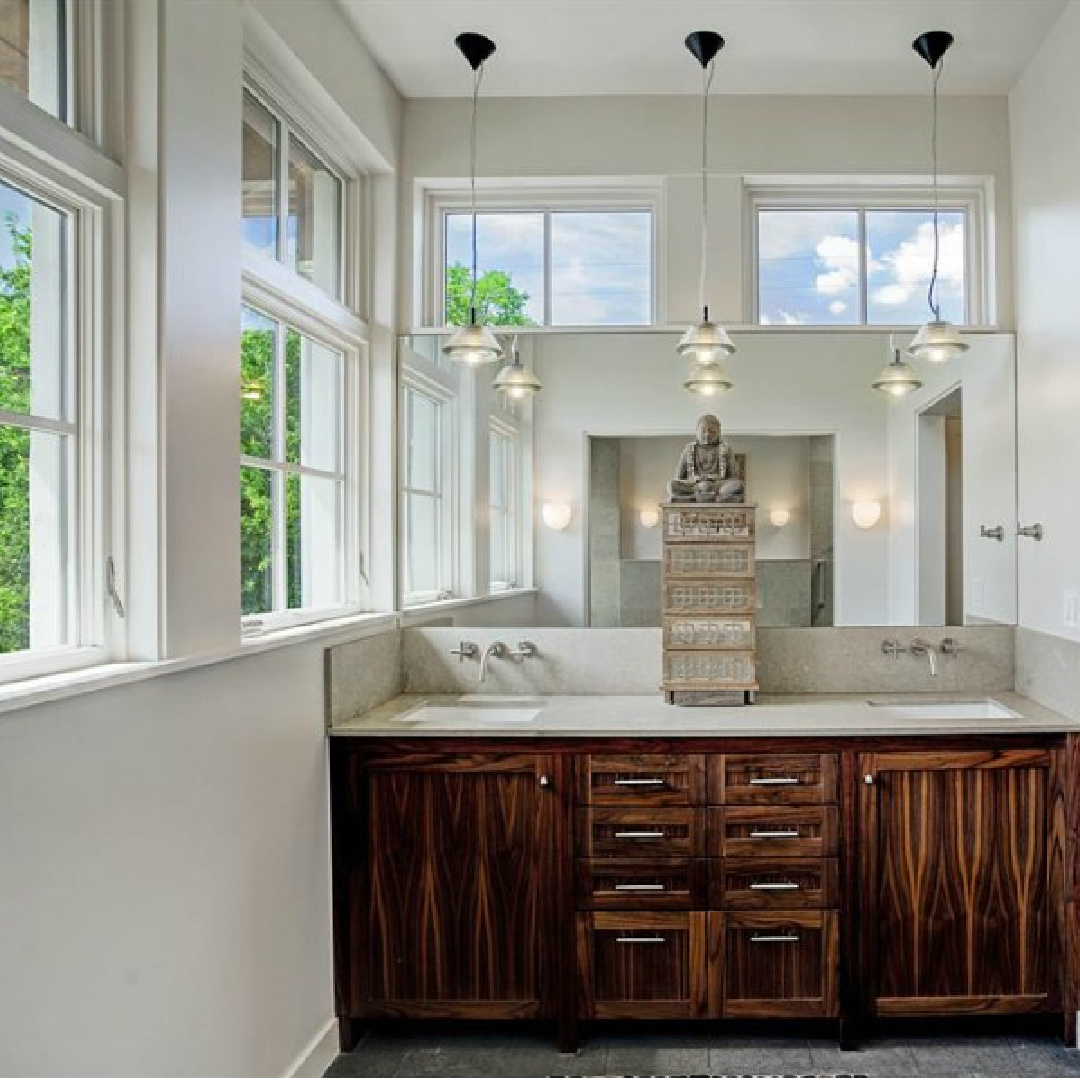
pixel 972 195
pixel 498 426
pixel 502 195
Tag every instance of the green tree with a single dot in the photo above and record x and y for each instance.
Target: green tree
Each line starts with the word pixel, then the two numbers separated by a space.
pixel 15 443
pixel 498 301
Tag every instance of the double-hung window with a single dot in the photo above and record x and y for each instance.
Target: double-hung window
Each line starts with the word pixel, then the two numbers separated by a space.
pixel 426 493
pixel 548 266
pixel 854 259
pixel 504 508
pixel 302 355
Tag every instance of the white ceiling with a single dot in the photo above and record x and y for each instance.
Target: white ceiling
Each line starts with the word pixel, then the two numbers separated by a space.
pixel 555 47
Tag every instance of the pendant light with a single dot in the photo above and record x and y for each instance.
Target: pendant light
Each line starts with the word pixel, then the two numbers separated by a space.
pixel 515 380
pixel 474 344
pixel 707 342
pixel 896 378
pixel 937 340
pixel 709 380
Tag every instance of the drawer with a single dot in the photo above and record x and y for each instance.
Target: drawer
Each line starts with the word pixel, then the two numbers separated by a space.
pixel 694 523
pixel 706 560
pixel 641 779
pixel 696 669
pixel 759 831
pixel 774 964
pixel 773 884
pixel 637 832
pixel 641 884
pixel 769 779
pixel 703 596
pixel 709 632
pixel 648 965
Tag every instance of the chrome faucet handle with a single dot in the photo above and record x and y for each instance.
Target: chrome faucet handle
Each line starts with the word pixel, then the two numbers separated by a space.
pixel 524 649
pixel 950 647
pixel 892 647
pixel 466 650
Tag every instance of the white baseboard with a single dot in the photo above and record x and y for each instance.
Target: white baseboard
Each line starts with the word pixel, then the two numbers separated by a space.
pixel 319 1054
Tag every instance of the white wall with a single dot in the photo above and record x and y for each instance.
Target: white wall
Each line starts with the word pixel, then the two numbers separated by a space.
pixel 778 473
pixel 658 139
pixel 1046 166
pixel 165 906
pixel 986 375
pixel 631 384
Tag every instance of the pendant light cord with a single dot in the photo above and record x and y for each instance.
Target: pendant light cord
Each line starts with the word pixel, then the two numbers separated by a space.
pixel 706 84
pixel 478 75
pixel 931 294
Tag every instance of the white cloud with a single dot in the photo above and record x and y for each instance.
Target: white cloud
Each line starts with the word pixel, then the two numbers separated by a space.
pixel 840 254
pixel 837 307
pixel 909 265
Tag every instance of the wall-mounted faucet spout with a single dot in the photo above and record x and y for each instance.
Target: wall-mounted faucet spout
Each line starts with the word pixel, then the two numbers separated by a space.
pixel 496 648
pixel 922 647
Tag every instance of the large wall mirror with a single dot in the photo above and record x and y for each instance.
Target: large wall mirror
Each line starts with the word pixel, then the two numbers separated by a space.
pixel 874 510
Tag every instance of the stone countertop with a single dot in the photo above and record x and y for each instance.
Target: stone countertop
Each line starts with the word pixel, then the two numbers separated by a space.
pixel 644 716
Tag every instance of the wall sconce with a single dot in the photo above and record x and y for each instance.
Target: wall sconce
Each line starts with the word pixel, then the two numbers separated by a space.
pixel 779 517
pixel 556 515
pixel 650 518
pixel 866 514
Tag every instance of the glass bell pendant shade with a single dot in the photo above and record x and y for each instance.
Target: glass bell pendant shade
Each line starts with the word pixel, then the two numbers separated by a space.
pixel 936 342
pixel 897 379
pixel 707 343
pixel 709 380
pixel 473 345
pixel 516 381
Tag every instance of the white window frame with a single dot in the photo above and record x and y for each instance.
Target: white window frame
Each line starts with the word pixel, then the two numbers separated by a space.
pixel 491 196
pixel 499 428
pixel 974 196
pixel 438 388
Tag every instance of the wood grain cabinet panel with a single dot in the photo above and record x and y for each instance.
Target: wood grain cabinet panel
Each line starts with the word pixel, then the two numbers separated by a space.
pixel 772 779
pixel 785 831
pixel 641 884
pixel 955 866
pixel 768 964
pixel 642 965
pixel 773 884
pixel 459 880
pixel 641 779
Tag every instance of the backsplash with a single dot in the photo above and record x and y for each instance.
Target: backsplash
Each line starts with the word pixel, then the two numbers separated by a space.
pixel 1048 670
pixel 362 674
pixel 627 661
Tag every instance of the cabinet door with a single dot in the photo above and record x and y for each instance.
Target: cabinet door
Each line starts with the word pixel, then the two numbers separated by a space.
pixel 460 887
pixel 954 866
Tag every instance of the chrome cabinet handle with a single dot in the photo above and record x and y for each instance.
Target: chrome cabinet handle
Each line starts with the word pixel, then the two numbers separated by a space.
pixel 544 782
pixel 657 940
pixel 651 781
pixel 868 779
pixel 770 939
pixel 773 781
pixel 640 888
pixel 774 886
pixel 640 834
pixel 774 834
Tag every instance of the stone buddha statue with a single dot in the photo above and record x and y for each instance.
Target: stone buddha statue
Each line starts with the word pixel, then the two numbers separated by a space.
pixel 704 473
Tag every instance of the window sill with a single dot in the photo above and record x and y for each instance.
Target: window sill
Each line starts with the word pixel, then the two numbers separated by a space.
pixel 419 612
pixel 48 688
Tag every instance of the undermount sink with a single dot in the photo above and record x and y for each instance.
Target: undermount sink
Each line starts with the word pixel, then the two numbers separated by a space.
pixel 473 710
pixel 944 709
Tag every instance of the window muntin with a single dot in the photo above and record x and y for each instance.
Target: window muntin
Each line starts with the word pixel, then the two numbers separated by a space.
pixel 293 202
pixel 551 267
pixel 424 503
pixel 34 52
pixel 293 483
pixel 503 511
pixel 40 548
pixel 870 265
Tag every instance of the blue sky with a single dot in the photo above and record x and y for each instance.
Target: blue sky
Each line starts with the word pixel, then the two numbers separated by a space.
pixel 15 203
pixel 601 263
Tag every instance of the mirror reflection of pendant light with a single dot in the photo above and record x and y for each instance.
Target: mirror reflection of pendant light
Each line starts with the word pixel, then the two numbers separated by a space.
pixel 706 342
pixel 937 340
pixel 896 378
pixel 515 380
pixel 474 344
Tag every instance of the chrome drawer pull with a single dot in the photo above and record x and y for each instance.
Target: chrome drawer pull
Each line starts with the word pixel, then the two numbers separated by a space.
pixel 772 834
pixel 774 886
pixel 651 781
pixel 640 834
pixel 770 939
pixel 639 888
pixel 773 781
pixel 640 940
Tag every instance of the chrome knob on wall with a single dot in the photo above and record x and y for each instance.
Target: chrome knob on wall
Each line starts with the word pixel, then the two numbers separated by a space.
pixel 1033 532
pixel 997 532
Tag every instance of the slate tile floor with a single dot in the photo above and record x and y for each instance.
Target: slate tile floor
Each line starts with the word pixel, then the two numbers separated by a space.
pixel 526 1055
